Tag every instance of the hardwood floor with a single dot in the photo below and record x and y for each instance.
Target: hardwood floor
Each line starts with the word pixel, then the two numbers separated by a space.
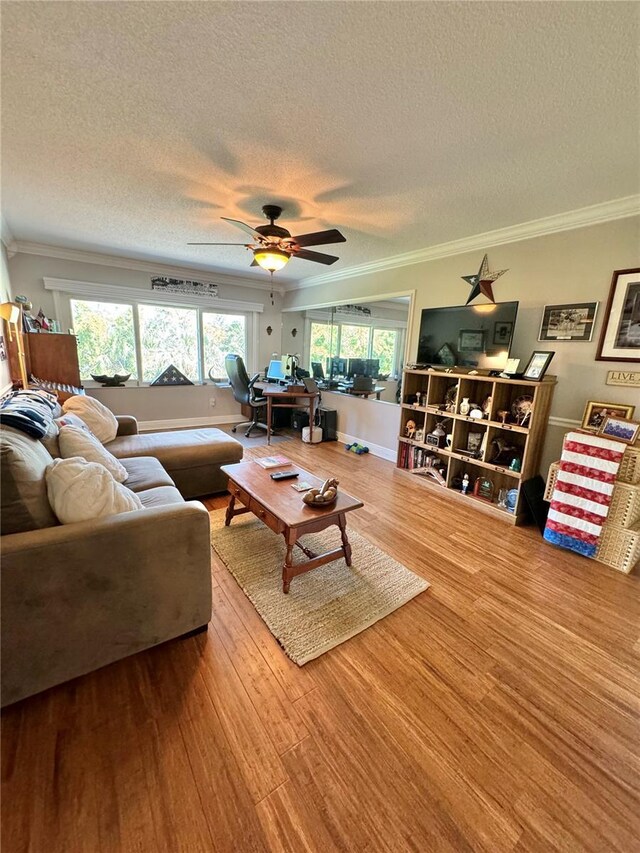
pixel 497 712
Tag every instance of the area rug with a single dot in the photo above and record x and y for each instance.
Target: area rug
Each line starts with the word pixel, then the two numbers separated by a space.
pixel 324 607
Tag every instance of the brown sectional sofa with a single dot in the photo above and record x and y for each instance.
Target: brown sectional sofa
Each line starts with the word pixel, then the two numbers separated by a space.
pixel 76 597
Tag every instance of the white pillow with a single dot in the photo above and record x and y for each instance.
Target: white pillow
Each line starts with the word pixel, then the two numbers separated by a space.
pixel 69 419
pixel 74 441
pixel 98 418
pixel 80 491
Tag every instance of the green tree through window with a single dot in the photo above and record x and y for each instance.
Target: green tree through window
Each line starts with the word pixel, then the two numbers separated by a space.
pixel 106 340
pixel 384 348
pixel 168 336
pixel 223 333
pixel 354 341
pixel 320 349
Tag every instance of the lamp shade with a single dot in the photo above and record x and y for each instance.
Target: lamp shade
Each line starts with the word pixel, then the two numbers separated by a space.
pixel 271 259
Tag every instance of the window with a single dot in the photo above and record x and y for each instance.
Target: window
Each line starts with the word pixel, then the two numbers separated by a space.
pixel 383 348
pixel 320 349
pixel 106 338
pixel 354 341
pixel 222 334
pixel 168 336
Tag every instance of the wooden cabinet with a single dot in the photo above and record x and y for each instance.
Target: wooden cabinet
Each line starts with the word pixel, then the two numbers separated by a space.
pixel 432 397
pixel 53 357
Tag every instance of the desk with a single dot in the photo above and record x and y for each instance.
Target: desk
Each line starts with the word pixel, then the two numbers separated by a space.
pixel 275 394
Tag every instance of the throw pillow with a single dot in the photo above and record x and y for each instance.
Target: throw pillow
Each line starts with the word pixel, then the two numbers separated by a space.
pixel 23 490
pixel 74 441
pixel 98 418
pixel 80 491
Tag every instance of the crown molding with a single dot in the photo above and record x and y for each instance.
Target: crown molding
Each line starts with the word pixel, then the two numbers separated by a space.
pixel 595 214
pixel 26 247
pixel 7 237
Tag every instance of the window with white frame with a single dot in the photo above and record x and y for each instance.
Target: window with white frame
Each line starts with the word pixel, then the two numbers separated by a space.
pixel 106 338
pixel 320 343
pixel 143 338
pixel 384 347
pixel 350 340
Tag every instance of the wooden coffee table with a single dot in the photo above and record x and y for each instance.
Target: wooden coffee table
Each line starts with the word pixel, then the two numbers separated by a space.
pixel 281 508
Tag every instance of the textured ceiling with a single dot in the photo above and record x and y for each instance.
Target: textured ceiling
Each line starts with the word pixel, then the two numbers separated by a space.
pixel 130 128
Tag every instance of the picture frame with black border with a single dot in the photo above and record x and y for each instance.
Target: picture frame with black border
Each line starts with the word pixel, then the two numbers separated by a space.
pixel 568 322
pixel 620 430
pixel 620 334
pixel 502 331
pixel 537 365
pixel 471 340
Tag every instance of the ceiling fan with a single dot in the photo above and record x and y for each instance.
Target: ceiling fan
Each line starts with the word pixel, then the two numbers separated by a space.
pixel 273 246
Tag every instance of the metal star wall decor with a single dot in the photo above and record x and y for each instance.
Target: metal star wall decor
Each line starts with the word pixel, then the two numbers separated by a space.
pixel 482 281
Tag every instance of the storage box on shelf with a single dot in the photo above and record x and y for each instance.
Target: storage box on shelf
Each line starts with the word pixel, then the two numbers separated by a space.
pixel 481 447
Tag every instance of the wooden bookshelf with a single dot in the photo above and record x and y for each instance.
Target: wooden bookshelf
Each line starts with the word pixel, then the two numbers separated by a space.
pixel 526 439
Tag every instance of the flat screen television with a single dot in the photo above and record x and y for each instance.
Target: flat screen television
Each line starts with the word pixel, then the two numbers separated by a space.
pixel 468 335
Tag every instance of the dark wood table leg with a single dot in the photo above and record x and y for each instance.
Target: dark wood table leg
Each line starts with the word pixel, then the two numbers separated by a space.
pixel 229 515
pixel 290 539
pixel 269 404
pixel 342 524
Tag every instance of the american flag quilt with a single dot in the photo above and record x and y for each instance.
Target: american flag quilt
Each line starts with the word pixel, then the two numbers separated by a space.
pixel 582 494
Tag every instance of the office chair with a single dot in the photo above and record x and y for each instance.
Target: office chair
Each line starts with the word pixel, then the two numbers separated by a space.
pixel 244 393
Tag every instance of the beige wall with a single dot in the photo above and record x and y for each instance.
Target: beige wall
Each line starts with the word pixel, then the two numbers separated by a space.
pixel 5 296
pixel 148 404
pixel 572 266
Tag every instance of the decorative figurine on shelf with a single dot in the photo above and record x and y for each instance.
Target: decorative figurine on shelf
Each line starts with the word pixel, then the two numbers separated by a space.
pixel 450 398
pixel 502 452
pixel 438 436
pixel 476 413
pixel 486 406
pixel 417 402
pixel 465 406
pixel 410 429
pixel 423 400
pixel 419 436
pixel 465 484
pixel 515 464
pixel 503 414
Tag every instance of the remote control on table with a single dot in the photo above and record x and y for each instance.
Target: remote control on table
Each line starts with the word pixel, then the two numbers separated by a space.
pixel 284 475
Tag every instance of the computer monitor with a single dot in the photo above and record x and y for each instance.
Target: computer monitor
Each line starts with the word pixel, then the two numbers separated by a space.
pixel 356 367
pixel 372 367
pixel 275 372
pixel 338 366
pixel 318 372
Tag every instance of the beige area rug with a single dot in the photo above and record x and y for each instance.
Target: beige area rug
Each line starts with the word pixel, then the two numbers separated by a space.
pixel 324 607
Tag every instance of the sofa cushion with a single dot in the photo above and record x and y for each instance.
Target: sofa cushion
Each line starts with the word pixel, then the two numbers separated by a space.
pixel 81 491
pixel 23 491
pixel 145 472
pixel 162 496
pixel 78 442
pixel 179 449
pixel 100 420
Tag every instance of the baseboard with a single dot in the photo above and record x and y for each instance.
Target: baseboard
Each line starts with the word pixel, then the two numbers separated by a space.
pixel 181 423
pixel 569 423
pixel 375 449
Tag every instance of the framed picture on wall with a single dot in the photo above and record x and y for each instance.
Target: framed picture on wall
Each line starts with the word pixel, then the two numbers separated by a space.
pixel 573 322
pixel 620 336
pixel 502 333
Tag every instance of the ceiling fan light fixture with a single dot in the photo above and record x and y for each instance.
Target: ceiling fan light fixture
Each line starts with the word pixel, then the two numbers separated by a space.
pixel 271 259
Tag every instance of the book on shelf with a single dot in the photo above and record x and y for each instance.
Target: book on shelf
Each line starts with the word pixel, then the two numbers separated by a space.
pixel 273 462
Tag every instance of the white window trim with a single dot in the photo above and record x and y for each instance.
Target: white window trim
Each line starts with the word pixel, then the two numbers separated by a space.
pixel 64 290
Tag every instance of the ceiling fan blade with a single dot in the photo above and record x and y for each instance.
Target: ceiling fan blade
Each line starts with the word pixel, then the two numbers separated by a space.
pixel 216 244
pixel 320 238
pixel 318 257
pixel 254 263
pixel 244 227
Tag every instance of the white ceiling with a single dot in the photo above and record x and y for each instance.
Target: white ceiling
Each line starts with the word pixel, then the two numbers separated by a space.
pixel 130 128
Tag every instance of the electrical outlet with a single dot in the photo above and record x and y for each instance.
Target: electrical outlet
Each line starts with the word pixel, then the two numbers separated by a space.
pixel 212 402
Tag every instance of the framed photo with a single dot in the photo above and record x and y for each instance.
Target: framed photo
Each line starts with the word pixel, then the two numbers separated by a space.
pixel 502 332
pixel 620 336
pixel 596 413
pixel 471 340
pixel 568 322
pixel 621 430
pixel 537 366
